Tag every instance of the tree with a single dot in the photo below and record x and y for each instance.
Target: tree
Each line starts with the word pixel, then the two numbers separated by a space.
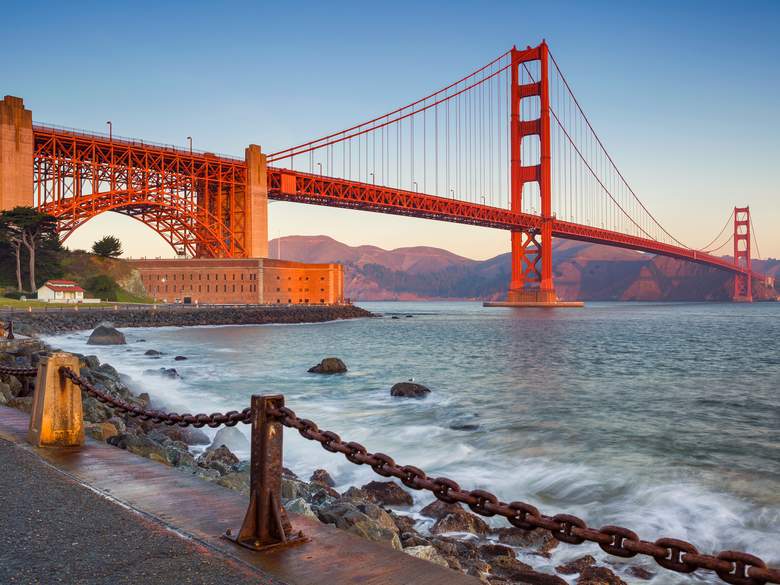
pixel 108 247
pixel 26 226
pixel 103 287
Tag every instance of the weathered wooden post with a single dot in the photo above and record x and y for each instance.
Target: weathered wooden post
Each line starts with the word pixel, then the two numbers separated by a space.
pixel 266 524
pixel 56 419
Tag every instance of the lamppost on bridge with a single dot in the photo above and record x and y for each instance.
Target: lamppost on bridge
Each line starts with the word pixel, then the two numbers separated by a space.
pixel 373 178
pixel 415 186
pixel 320 165
pixel 110 130
pixel 452 192
pixel 483 199
pixel 190 140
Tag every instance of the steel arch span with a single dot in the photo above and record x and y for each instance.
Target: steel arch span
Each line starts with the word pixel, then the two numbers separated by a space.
pixel 197 203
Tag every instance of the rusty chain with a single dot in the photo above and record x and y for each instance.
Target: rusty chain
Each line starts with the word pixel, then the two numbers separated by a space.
pixel 213 420
pixel 732 567
pixel 18 372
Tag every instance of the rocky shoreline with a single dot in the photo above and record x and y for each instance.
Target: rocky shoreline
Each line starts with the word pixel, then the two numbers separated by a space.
pixel 54 322
pixel 449 535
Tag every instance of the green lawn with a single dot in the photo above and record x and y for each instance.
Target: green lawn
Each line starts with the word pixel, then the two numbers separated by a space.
pixel 14 304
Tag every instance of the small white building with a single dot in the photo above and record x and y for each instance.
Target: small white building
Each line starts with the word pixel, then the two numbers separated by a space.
pixel 61 291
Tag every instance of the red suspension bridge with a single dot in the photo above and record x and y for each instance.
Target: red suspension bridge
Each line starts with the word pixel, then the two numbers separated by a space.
pixel 506 147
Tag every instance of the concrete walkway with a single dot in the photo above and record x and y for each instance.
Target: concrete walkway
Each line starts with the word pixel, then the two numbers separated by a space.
pixel 54 530
pixel 101 515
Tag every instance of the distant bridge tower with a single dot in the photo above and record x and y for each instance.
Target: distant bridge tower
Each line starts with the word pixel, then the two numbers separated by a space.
pixel 531 280
pixel 743 289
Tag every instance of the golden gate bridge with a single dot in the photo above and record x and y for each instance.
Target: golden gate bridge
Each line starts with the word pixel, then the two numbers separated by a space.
pixel 508 147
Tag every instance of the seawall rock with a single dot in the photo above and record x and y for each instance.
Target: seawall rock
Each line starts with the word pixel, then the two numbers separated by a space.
pixel 56 321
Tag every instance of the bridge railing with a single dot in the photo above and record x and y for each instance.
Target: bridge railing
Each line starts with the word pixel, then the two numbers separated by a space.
pixel 58 390
pixel 184 150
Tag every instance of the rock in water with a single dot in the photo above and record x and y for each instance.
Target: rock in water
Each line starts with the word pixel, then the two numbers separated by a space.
pixel 105 335
pixel 152 352
pixel 409 390
pixel 180 358
pixel 330 365
pixel 164 372
pixel 231 438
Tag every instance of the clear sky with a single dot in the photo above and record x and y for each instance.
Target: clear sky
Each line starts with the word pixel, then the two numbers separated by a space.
pixel 684 94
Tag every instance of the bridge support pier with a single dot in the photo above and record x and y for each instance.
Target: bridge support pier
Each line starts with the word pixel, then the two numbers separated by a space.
pixel 16 154
pixel 256 203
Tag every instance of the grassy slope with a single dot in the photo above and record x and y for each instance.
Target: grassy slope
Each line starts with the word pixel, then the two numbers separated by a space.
pixel 81 266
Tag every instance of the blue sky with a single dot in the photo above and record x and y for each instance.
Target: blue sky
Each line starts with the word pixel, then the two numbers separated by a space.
pixel 684 94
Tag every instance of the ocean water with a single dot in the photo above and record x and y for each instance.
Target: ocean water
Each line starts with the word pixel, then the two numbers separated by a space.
pixel 664 418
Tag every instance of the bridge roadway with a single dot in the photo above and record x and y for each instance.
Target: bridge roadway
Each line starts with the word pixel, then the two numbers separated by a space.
pixel 103 516
pixel 286 185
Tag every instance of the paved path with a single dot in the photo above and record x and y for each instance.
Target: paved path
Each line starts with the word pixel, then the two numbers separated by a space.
pixel 53 498
pixel 55 530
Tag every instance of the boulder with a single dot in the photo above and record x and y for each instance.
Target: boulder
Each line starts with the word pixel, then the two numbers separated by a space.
pixel 152 352
pixel 141 445
pixel 460 522
pixel 5 392
pixel 301 507
pixel 640 573
pixel 322 477
pixel 102 431
pixel 409 390
pixel 576 566
pixel 90 361
pixel 180 358
pixel 311 492
pixel 348 517
pixel 404 523
pixel 427 553
pixel 514 571
pixel 491 551
pixel 93 410
pixel 541 541
pixel 413 539
pixel 231 438
pixel 23 403
pixel 453 518
pixel 598 576
pixel 329 365
pixel 221 459
pixel 105 335
pixel 378 515
pixel 237 481
pixel 355 495
pixel 187 435
pixel 388 493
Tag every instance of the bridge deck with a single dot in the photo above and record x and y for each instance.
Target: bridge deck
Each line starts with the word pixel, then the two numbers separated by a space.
pixel 203 511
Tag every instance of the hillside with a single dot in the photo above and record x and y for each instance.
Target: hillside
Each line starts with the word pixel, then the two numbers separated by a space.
pixel 582 271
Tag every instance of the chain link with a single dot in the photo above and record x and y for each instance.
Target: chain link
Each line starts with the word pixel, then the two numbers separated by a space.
pixel 214 420
pixel 676 555
pixel 18 372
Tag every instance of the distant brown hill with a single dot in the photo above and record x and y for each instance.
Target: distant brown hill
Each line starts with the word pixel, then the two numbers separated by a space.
pixel 582 271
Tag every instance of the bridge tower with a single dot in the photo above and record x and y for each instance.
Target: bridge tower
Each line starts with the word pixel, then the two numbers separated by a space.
pixel 531 278
pixel 16 154
pixel 743 288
